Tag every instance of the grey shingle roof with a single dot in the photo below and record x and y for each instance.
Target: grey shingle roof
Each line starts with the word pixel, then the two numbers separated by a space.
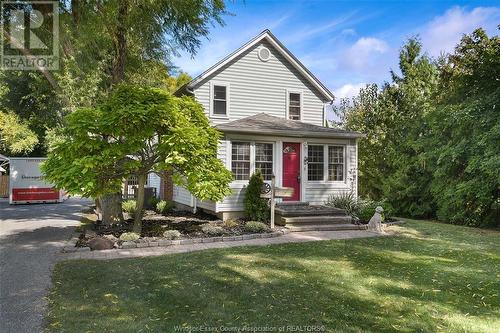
pixel 265 124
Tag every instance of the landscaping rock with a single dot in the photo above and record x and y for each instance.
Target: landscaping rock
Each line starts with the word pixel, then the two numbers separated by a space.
pixel 111 238
pixel 100 243
pixel 90 234
pixel 164 242
pixel 142 244
pixel 83 249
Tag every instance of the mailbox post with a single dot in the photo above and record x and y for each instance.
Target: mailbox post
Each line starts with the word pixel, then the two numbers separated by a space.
pixel 273 202
pixel 272 192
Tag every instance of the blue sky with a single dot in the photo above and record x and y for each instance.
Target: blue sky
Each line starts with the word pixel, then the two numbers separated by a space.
pixel 346 44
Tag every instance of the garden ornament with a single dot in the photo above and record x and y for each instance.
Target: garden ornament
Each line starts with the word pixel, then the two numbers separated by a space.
pixel 375 223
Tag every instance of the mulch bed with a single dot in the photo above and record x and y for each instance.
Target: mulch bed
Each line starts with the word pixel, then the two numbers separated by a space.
pixel 154 225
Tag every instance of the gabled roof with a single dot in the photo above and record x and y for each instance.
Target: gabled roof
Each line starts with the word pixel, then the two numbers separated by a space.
pixel 265 124
pixel 268 36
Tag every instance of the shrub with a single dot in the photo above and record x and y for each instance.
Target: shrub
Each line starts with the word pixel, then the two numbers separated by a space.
pixel 212 230
pixel 163 207
pixel 346 201
pixel 230 223
pixel 256 208
pixel 172 234
pixel 153 201
pixel 256 227
pixel 129 237
pixel 129 206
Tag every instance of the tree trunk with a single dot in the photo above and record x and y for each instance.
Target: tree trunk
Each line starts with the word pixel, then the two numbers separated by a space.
pixel 141 183
pixel 111 208
pixel 118 73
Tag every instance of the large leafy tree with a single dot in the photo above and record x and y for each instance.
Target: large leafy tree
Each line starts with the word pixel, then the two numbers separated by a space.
pixel 391 158
pixel 15 136
pixel 103 43
pixel 135 132
pixel 464 145
pixel 432 133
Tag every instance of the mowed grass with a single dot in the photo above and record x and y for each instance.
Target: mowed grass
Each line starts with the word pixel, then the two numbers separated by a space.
pixel 430 277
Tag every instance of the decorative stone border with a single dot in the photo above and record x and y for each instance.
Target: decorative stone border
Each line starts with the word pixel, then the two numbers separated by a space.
pixel 71 246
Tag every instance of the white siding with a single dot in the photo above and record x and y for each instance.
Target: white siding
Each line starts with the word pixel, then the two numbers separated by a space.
pixel 256 86
pixel 313 192
pixel 154 181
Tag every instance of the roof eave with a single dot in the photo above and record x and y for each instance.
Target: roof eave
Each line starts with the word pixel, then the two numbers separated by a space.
pixel 295 134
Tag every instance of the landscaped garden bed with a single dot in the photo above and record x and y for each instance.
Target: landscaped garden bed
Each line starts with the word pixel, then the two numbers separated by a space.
pixel 171 227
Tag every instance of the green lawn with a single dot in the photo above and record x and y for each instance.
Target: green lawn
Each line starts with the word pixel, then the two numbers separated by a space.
pixel 431 277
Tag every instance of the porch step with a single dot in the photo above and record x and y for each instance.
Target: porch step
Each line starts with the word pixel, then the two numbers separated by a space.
pixel 308 210
pixel 292 203
pixel 317 220
pixel 330 227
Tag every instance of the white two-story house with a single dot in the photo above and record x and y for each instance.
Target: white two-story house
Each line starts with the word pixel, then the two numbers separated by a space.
pixel 271 111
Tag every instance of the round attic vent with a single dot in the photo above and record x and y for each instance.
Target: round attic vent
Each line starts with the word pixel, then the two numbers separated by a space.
pixel 264 53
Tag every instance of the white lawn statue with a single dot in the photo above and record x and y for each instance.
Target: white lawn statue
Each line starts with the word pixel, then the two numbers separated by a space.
pixel 375 223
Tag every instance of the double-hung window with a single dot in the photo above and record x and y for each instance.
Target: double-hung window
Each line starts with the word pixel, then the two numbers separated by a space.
pixel 264 159
pixel 248 157
pixel 315 162
pixel 326 162
pixel 219 100
pixel 240 160
pixel 336 163
pixel 294 105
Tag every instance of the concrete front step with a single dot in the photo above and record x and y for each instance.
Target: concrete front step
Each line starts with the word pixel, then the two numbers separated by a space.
pixel 307 220
pixel 296 211
pixel 331 227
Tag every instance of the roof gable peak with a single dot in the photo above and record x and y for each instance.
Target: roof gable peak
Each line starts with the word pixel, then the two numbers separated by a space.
pixel 268 35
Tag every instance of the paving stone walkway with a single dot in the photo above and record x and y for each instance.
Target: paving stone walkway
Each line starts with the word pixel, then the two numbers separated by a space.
pixel 294 237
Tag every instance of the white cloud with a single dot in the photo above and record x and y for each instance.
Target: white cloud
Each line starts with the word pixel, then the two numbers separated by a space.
pixel 348 90
pixel 364 53
pixel 348 32
pixel 209 54
pixel 311 31
pixel 444 32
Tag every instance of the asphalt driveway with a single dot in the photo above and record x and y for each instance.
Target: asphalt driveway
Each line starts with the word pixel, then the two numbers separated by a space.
pixel 30 237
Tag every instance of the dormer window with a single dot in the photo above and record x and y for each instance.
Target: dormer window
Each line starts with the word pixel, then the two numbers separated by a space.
pixel 220 105
pixel 294 105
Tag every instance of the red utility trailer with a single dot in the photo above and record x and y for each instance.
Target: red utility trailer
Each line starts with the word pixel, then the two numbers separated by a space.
pixel 27 184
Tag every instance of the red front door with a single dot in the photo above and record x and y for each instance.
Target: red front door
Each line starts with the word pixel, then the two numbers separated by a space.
pixel 291 168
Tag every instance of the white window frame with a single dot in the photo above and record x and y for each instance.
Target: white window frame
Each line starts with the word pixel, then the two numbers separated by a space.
pixel 326 159
pixel 212 95
pixel 287 111
pixel 328 163
pixel 252 158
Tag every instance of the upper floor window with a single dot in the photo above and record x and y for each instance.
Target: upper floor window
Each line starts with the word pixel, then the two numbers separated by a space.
pixel 220 99
pixel 294 105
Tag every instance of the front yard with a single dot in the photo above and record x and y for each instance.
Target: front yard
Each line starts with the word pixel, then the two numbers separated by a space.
pixel 431 277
